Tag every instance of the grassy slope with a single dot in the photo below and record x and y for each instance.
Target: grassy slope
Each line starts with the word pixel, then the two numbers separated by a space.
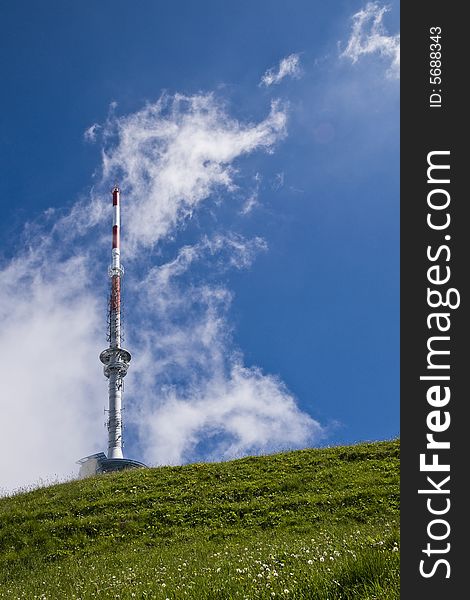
pixel 309 524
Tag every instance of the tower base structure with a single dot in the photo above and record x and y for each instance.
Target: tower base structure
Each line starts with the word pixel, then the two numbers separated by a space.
pixel 99 463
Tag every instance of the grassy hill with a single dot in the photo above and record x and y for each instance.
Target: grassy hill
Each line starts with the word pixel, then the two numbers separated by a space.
pixel 312 524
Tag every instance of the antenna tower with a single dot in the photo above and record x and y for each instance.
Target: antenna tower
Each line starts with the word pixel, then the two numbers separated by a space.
pixel 116 363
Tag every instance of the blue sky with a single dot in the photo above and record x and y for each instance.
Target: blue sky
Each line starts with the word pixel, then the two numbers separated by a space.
pixel 260 223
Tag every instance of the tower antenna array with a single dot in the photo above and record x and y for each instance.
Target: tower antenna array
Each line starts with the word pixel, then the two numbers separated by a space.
pixel 115 359
pixel 116 363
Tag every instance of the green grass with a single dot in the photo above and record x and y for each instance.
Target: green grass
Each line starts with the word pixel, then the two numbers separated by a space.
pixel 317 524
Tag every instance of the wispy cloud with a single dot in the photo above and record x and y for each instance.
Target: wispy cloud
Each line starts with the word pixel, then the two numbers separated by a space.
pixel 288 67
pixel 231 416
pixel 278 182
pixel 174 154
pixel 369 36
pixel 227 251
pixel 252 201
pixel 199 400
pixel 92 132
pixel 187 376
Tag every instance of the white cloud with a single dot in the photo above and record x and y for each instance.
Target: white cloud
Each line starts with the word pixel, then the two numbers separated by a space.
pixel 174 154
pixel 250 203
pixel 278 181
pixel 91 133
pixel 196 398
pixel 50 380
pixel 186 373
pixel 288 67
pixel 369 36
pixel 233 250
pixel 242 413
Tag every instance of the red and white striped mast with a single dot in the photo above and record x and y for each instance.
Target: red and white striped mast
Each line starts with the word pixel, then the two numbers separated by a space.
pixel 115 359
pixel 116 362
